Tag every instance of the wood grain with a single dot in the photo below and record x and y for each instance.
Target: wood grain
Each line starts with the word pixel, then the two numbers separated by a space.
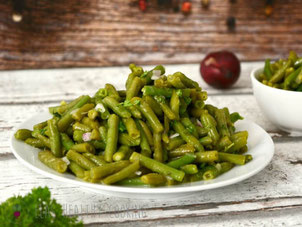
pixel 64 33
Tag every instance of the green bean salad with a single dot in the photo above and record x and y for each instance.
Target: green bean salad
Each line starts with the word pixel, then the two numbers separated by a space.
pixel 283 74
pixel 157 132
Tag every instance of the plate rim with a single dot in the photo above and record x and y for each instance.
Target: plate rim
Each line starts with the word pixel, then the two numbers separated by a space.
pixel 141 190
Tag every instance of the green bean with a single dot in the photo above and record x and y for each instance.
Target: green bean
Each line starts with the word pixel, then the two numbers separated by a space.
pixel 147 132
pixel 103 133
pixel 225 167
pixel 158 149
pixel 148 113
pixel 189 169
pixel 298 62
pixel 175 142
pixel 132 182
pixel 125 139
pixel 221 123
pixel 55 138
pixel 165 136
pixel 134 88
pixel 153 104
pixel 100 172
pixel 197 176
pixel 210 124
pixel 210 172
pixel 98 144
pixel 184 103
pixel 165 107
pixel 93 124
pixel 299 88
pixel 49 159
pixel 224 144
pixel 291 78
pixel 152 90
pixel 122 174
pixel 81 127
pixel 235 117
pixel 186 81
pixel 95 135
pixel 83 147
pixel 112 137
pixel 162 82
pixel 278 76
pixel 233 158
pixel 112 92
pixel 207 156
pixel 195 112
pixel 146 77
pixel 292 56
pixel 184 160
pixel 123 153
pixel 158 167
pixel 202 131
pixel 134 112
pixel 46 141
pixel 63 108
pixel 187 136
pixel 239 139
pixel 153 179
pixel 189 126
pixel 40 126
pixel 66 141
pixel 175 103
pixel 93 114
pixel 182 150
pixel 136 71
pixel 34 142
pixel 144 144
pixel 98 160
pixel 78 136
pixel 23 134
pixel 131 128
pixel 79 113
pixel 116 107
pixel 101 93
pixel 176 81
pixel 67 119
pixel 205 141
pixel 80 160
pixel 267 69
pixel 76 169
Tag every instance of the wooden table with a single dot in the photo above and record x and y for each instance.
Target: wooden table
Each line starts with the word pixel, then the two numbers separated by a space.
pixel 271 198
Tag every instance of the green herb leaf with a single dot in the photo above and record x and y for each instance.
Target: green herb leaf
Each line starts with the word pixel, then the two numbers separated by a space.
pixel 179 92
pixel 121 127
pixel 35 209
pixel 137 102
pixel 127 103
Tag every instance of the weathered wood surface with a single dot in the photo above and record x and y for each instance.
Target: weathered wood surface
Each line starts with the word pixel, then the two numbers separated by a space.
pixel 271 198
pixel 64 33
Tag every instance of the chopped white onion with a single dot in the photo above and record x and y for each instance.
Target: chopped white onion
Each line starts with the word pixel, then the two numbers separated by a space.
pixel 174 135
pixel 65 159
pixel 156 74
pixel 199 123
pixel 86 136
pixel 100 107
pixel 138 173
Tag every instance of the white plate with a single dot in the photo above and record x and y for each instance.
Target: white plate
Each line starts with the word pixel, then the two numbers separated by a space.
pixel 260 144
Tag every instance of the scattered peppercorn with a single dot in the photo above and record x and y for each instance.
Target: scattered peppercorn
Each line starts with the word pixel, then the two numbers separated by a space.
pixel 231 23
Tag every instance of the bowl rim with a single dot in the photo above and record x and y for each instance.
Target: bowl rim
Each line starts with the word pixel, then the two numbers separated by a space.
pixel 253 78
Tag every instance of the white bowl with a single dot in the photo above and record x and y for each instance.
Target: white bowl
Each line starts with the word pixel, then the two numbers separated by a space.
pixel 282 107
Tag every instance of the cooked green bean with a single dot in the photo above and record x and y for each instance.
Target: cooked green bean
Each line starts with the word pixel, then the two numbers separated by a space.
pixel 158 149
pixel 153 104
pixel 189 126
pixel 210 172
pixel 205 141
pixel 112 137
pixel 114 105
pixel 184 160
pixel 189 169
pixel 187 136
pixel 34 142
pixel 80 160
pixel 67 119
pixel 101 108
pixel 83 147
pixel 23 134
pixel 125 139
pixel 144 144
pixel 233 158
pixel 122 174
pixel 153 179
pixel 123 153
pixel 100 172
pixel 96 159
pixel 134 88
pixel 81 127
pixel 79 113
pixel 112 92
pixel 78 136
pixel 158 167
pixel 147 132
pixel 55 138
pixel 182 150
pixel 175 142
pixel 66 141
pixel 131 128
pixel 207 156
pixel 76 169
pixel 49 159
pixel 132 182
pixel 210 124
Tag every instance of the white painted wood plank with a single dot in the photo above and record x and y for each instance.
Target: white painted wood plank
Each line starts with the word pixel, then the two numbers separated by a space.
pixel 276 187
pixel 57 84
